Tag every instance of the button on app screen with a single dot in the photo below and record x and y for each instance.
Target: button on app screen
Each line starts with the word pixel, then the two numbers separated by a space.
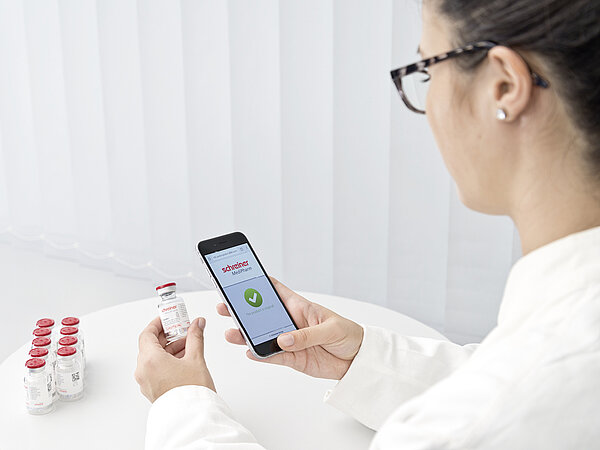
pixel 249 291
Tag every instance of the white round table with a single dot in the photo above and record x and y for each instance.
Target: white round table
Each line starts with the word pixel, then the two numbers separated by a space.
pixel 112 415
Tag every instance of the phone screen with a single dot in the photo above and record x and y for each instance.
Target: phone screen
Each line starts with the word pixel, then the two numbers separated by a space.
pixel 250 293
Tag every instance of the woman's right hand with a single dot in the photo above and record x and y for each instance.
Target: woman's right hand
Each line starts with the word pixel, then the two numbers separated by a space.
pixel 324 346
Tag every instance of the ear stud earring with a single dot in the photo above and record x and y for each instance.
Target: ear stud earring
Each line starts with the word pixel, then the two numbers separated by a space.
pixel 500 114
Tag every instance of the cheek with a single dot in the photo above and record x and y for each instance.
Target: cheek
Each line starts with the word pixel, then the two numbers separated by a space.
pixel 444 120
pixel 465 145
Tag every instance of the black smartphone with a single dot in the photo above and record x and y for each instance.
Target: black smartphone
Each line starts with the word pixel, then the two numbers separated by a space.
pixel 247 292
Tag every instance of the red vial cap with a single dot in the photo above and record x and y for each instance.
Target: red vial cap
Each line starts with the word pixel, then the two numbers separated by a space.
pixel 43 323
pixel 165 285
pixel 35 363
pixel 38 352
pixel 66 351
pixel 70 321
pixel 42 332
pixel 69 330
pixel 67 341
pixel 41 341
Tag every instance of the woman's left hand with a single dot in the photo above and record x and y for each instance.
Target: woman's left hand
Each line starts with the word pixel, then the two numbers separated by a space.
pixel 161 367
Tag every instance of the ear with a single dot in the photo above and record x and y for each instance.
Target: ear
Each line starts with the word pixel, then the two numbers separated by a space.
pixel 512 84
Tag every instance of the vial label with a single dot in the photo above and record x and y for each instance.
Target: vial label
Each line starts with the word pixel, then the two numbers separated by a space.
pixel 37 393
pixel 69 383
pixel 175 319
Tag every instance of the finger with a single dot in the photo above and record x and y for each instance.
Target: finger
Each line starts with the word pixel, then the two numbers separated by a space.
pixel 175 347
pixel 322 333
pixel 292 301
pixel 149 335
pixel 194 345
pixel 284 292
pixel 234 336
pixel 222 309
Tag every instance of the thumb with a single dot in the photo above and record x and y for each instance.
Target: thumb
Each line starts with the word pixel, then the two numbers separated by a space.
pixel 305 337
pixel 194 343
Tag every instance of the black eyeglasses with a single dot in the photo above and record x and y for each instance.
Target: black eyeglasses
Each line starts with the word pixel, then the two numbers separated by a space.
pixel 414 90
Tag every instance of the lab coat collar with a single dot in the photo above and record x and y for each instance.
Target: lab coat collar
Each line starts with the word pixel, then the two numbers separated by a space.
pixel 545 275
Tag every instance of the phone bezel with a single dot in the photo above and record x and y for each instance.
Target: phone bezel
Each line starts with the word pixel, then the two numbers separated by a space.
pixel 208 246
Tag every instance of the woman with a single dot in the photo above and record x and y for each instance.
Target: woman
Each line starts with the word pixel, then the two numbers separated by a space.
pixel 515 110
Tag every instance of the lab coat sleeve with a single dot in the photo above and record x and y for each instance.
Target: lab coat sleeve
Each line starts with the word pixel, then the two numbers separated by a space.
pixel 389 369
pixel 195 417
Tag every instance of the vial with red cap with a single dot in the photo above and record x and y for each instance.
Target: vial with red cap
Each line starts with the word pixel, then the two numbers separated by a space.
pixel 173 313
pixel 38 393
pixel 69 375
pixel 50 358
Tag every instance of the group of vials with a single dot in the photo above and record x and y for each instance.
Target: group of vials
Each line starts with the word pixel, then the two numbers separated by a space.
pixel 56 365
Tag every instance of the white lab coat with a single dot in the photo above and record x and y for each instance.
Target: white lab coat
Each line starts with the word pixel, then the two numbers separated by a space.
pixel 533 383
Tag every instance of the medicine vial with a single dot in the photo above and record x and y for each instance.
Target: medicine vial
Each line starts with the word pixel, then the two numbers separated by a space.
pixel 173 313
pixel 38 396
pixel 69 381
pixel 50 359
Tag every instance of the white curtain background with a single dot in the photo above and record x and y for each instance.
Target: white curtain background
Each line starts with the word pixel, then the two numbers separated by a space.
pixel 130 130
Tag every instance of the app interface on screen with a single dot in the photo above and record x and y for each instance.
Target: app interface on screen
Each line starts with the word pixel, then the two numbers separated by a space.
pixel 247 288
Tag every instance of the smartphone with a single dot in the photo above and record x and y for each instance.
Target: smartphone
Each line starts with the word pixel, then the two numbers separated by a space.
pixel 247 292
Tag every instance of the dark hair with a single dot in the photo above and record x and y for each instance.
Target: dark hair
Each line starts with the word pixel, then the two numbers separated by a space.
pixel 564 33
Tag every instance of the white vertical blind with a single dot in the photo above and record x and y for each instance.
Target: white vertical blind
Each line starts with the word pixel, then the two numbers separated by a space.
pixel 361 145
pixel 119 50
pixel 86 127
pixel 129 130
pixel 20 163
pixel 307 143
pixel 50 120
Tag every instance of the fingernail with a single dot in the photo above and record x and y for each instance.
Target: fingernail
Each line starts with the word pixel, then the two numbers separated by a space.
pixel 201 323
pixel 287 340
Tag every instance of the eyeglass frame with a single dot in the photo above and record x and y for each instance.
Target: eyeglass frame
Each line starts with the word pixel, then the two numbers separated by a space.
pixel 469 48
